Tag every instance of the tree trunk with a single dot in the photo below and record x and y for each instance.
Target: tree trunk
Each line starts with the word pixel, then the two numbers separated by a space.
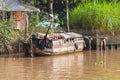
pixel 67 10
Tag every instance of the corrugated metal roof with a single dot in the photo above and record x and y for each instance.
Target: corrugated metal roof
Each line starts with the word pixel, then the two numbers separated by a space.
pixel 62 35
pixel 70 35
pixel 15 5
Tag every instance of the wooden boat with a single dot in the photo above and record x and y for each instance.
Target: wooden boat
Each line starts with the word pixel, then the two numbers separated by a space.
pixel 57 43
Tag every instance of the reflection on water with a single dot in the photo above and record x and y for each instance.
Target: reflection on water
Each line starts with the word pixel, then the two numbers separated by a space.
pixel 87 65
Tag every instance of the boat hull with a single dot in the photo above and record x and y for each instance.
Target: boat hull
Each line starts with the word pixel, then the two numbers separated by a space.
pixel 38 52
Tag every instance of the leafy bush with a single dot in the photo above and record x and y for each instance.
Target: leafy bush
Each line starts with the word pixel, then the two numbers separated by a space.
pixel 7 35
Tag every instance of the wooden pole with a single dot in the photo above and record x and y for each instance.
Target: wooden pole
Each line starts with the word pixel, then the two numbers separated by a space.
pixel 51 10
pixel 26 27
pixel 67 9
pixel 90 42
pixel 25 34
pixel 31 47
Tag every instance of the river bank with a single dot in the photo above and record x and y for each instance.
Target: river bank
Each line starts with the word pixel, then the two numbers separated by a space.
pixel 18 47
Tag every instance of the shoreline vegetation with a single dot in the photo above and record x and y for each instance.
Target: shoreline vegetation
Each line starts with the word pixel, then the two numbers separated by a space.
pixel 89 18
pixel 100 16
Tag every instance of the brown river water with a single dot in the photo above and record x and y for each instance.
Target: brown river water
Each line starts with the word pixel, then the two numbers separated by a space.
pixel 86 65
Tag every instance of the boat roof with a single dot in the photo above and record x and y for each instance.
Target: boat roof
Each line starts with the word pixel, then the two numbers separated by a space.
pixel 60 35
pixel 70 35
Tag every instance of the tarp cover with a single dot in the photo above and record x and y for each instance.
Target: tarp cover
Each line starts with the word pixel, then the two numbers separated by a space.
pixel 15 5
pixel 47 24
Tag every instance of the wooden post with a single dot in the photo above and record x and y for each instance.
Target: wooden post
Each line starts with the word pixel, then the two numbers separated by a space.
pixel 116 46
pixel 90 40
pixel 67 9
pixel 104 44
pixel 25 33
pixel 26 27
pixel 19 48
pixel 109 46
pixel 97 41
pixel 31 50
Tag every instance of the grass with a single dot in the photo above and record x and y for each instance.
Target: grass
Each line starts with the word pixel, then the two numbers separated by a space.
pixel 95 15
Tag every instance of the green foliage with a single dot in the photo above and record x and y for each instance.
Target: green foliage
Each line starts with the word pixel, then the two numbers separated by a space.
pixel 96 15
pixel 59 7
pixel 6 32
pixel 32 2
pixel 35 18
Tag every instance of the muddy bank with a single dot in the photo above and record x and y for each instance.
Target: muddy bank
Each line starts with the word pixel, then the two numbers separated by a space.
pixel 13 49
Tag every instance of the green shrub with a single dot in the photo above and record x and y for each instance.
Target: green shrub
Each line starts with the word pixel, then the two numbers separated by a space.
pixel 7 35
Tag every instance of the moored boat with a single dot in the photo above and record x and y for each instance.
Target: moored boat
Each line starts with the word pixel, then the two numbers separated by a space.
pixel 57 43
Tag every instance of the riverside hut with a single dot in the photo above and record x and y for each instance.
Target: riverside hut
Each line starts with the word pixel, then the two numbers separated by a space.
pixel 15 5
pixel 17 12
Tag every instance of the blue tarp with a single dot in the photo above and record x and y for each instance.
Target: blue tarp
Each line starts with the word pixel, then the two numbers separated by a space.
pixel 15 5
pixel 47 24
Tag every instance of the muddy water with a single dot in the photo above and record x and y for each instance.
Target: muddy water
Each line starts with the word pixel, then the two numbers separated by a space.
pixel 87 65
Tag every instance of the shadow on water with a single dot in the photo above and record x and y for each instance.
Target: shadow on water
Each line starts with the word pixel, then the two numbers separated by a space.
pixel 12 55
